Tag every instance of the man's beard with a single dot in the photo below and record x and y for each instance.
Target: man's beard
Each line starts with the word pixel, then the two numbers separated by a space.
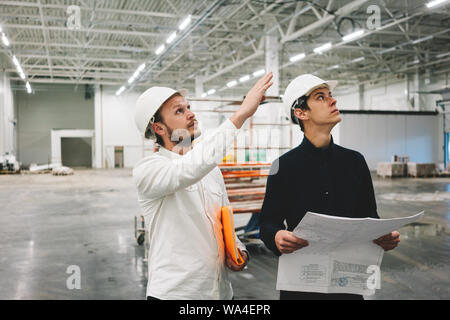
pixel 179 135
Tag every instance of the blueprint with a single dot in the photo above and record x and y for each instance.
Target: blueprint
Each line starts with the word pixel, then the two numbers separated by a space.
pixel 340 257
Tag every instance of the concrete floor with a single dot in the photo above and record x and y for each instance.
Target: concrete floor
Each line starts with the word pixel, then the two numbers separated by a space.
pixel 48 223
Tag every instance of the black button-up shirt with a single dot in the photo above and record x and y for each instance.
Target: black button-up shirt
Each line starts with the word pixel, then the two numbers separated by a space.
pixel 331 180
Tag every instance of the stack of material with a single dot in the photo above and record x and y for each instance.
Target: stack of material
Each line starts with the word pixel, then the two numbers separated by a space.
pixel 421 169
pixel 62 171
pixel 245 183
pixel 391 169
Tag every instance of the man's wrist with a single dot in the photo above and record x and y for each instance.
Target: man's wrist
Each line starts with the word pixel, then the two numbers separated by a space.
pixel 238 119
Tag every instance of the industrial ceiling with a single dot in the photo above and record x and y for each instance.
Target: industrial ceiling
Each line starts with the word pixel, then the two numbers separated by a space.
pixel 105 42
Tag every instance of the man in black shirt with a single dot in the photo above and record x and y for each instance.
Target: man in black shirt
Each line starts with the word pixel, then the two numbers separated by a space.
pixel 317 176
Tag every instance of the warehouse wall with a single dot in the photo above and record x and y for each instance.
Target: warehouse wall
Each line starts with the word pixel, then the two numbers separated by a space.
pixel 379 136
pixel 394 94
pixel 49 107
pixel 7 127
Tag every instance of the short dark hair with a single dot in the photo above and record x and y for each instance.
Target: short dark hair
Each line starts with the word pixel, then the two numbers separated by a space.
pixel 299 103
pixel 149 130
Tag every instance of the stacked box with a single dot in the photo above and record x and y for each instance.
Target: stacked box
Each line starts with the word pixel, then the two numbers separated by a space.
pixel 391 169
pixel 421 169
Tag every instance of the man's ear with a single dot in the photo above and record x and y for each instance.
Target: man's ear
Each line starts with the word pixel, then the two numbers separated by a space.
pixel 301 114
pixel 158 128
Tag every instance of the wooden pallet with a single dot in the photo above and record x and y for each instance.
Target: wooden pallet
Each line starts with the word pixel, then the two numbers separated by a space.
pixel 8 172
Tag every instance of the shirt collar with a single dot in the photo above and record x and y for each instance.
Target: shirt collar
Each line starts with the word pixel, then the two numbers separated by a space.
pixel 169 154
pixel 308 146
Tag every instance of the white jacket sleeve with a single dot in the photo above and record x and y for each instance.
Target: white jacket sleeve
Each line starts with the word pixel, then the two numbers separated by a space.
pixel 159 176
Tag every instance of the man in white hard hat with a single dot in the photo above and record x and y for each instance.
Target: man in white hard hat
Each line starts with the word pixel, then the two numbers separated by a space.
pixel 317 176
pixel 181 192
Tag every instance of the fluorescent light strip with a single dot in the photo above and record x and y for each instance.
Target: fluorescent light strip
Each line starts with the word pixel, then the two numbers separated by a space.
pixel 333 67
pixel 118 92
pixel 160 49
pixel 5 40
pixel 15 61
pixel 258 73
pixel 185 23
pixel 386 50
pixel 212 91
pixel 141 67
pixel 204 94
pixel 435 3
pixel 244 78
pixel 297 57
pixel 28 87
pixel 171 37
pixel 357 60
pixel 353 35
pixel 231 84
pixel 323 48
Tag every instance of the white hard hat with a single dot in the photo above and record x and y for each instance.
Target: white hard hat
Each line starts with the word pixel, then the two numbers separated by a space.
pixel 303 86
pixel 148 103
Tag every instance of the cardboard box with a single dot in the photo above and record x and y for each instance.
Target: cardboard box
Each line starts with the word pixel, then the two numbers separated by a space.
pixel 391 169
pixel 421 169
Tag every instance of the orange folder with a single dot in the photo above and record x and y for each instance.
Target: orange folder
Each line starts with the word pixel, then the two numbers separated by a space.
pixel 229 235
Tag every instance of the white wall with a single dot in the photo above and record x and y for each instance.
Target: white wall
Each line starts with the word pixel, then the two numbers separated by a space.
pixel 380 136
pixel 116 127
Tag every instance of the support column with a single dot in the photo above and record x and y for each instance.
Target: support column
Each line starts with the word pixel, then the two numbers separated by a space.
pixel 361 97
pixel 272 64
pixel 98 103
pixel 416 89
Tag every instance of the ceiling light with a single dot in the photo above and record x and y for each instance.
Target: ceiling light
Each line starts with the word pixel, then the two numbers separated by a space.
pixel 171 37
pixel 130 81
pixel 323 48
pixel 357 60
pixel 204 94
pixel 212 91
pixel 231 83
pixel 185 23
pixel 435 3
pixel 244 78
pixel 118 92
pixel 15 61
pixel 333 67
pixel 141 67
pixel 160 49
pixel 386 50
pixel 297 57
pixel 259 73
pixel 5 40
pixel 353 35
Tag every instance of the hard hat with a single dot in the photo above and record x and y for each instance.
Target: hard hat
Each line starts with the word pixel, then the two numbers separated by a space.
pixel 301 86
pixel 148 103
